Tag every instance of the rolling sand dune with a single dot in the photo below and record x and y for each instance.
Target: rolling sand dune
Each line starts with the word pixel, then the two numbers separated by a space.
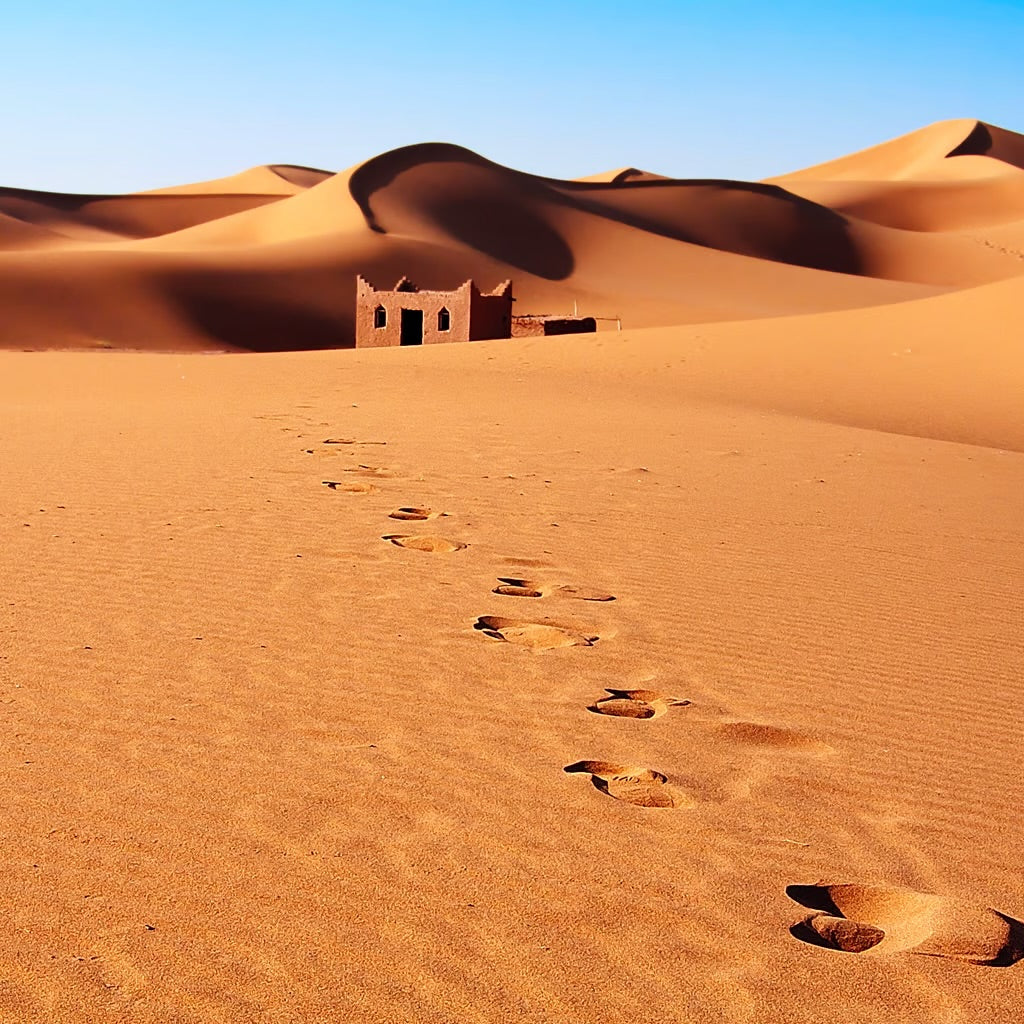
pixel 266 260
pixel 923 206
pixel 117 218
pixel 267 179
pixel 942 151
pixel 659 676
pixel 623 174
pixel 965 178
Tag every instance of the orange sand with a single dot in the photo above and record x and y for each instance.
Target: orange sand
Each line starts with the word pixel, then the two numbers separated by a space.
pixel 670 675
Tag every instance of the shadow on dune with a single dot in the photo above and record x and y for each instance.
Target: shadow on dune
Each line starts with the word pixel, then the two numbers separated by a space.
pixel 499 211
pixel 300 175
pixel 744 217
pixel 507 231
pixel 991 141
pixel 493 215
pixel 977 143
pixel 258 313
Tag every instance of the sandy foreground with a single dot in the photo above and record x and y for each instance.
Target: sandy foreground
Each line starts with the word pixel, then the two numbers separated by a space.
pixel 261 765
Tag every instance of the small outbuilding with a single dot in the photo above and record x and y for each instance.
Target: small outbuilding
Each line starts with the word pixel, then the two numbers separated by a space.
pixel 532 326
pixel 405 315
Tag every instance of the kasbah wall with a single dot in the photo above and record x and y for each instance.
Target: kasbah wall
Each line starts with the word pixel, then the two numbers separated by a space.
pixel 472 315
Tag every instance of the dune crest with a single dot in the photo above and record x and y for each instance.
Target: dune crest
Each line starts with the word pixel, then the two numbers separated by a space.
pixel 935 151
pixel 266 179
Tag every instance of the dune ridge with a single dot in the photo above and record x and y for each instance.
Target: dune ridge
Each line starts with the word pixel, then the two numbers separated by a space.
pixel 266 179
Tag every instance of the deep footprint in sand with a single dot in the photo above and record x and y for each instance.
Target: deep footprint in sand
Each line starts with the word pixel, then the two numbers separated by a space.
pixel 422 542
pixel 642 787
pixel 757 735
pixel 413 514
pixel 636 704
pixel 888 919
pixel 350 486
pixel 538 636
pixel 510 586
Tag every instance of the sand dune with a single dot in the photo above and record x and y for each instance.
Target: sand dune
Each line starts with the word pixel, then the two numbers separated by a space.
pixel 621 175
pixel 267 179
pixel 923 206
pixel 941 151
pixel 960 177
pixel 266 259
pixel 118 218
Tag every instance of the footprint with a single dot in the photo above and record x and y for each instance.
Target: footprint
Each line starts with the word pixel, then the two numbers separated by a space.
pixel 345 440
pixel 416 514
pixel 421 542
pixel 760 735
pixel 538 636
pixel 858 918
pixel 350 486
pixel 361 470
pixel 642 787
pixel 512 587
pixel 636 704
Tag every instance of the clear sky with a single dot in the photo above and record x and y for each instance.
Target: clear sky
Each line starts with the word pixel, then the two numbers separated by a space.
pixel 119 95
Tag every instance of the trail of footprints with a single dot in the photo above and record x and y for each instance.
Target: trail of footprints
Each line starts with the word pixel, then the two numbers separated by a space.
pixel 849 918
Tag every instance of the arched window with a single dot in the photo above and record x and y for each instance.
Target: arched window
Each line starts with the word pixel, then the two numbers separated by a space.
pixel 380 317
pixel 444 320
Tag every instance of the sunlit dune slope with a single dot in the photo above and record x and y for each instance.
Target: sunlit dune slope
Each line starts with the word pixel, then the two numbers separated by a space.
pixel 963 177
pixel 101 219
pixel 947 149
pixel 620 175
pixel 266 179
pixel 932 206
pixel 947 367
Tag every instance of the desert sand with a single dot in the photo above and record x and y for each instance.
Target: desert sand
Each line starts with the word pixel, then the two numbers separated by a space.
pixel 664 675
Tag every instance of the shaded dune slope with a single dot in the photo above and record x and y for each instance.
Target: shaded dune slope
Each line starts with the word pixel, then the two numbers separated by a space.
pixel 241 269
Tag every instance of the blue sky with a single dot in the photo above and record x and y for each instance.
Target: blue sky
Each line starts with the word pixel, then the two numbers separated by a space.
pixel 109 96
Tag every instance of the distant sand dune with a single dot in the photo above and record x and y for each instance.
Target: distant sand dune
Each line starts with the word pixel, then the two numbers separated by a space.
pixel 269 179
pixel 946 149
pixel 266 259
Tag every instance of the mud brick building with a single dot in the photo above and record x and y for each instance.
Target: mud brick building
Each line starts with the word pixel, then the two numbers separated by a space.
pixel 407 316
pixel 531 326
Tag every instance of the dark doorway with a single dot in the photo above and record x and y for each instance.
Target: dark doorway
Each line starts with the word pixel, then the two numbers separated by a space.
pixel 412 327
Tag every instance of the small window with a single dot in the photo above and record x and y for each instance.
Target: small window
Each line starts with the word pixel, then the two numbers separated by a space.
pixel 444 320
pixel 380 317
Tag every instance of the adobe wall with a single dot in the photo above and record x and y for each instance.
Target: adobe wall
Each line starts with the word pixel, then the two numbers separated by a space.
pixel 491 315
pixel 368 299
pixel 535 326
